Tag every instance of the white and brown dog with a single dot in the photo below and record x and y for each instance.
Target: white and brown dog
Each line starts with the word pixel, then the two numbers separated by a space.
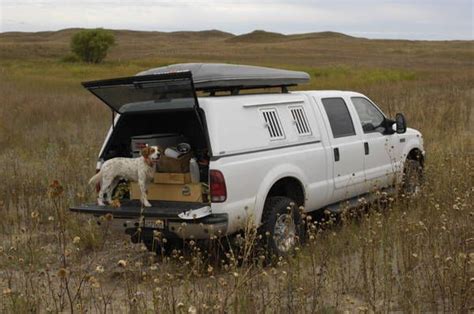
pixel 139 169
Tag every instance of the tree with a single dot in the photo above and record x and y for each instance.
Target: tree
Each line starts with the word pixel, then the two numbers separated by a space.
pixel 91 45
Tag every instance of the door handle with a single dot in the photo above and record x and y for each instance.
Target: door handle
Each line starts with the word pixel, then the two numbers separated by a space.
pixel 366 148
pixel 336 154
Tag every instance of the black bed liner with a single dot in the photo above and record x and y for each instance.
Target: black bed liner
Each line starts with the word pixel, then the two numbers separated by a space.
pixel 133 209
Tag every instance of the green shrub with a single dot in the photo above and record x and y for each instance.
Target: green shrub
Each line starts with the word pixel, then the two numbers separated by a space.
pixel 70 58
pixel 92 45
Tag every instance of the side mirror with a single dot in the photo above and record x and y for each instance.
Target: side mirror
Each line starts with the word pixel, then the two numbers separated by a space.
pixel 368 127
pixel 400 125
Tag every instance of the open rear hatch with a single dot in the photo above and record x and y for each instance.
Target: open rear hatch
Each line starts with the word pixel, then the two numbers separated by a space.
pixel 156 92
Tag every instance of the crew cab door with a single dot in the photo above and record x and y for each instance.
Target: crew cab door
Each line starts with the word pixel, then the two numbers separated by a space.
pixel 347 149
pixel 156 92
pixel 379 147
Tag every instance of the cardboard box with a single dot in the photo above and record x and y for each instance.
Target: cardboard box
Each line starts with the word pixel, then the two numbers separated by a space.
pixel 180 165
pixel 191 192
pixel 172 178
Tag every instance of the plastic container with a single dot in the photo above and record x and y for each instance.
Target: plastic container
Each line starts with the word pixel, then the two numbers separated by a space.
pixel 194 169
pixel 172 153
pixel 178 151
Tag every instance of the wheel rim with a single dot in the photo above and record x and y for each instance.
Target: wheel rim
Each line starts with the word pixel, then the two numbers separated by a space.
pixel 284 233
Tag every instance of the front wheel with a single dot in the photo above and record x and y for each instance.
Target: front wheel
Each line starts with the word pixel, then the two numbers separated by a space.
pixel 282 227
pixel 412 177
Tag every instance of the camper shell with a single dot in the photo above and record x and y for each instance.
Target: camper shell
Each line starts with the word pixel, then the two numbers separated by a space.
pixel 165 99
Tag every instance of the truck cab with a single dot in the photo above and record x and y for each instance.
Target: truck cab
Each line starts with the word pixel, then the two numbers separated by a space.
pixel 263 155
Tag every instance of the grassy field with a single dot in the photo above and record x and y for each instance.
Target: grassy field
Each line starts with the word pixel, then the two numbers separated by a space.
pixel 416 255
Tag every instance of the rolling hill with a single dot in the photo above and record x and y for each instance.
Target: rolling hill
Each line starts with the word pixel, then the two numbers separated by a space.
pixel 294 50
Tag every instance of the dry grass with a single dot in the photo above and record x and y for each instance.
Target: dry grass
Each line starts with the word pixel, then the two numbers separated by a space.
pixel 415 255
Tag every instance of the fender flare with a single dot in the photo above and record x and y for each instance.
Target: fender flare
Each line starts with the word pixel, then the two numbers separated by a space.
pixel 412 144
pixel 275 174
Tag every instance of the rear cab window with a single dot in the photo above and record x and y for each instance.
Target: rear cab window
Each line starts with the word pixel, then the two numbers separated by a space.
pixel 339 117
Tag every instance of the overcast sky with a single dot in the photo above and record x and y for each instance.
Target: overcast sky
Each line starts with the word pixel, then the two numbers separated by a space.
pixel 410 19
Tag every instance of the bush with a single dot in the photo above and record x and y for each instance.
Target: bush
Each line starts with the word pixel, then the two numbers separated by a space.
pixel 70 58
pixel 91 45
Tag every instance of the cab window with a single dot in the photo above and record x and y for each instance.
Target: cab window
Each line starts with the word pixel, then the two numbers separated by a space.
pixel 339 117
pixel 370 116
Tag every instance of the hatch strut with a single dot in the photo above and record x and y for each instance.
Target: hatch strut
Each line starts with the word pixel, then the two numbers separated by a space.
pixel 200 120
pixel 113 119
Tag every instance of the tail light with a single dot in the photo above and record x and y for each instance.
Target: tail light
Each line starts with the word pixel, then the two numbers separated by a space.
pixel 217 186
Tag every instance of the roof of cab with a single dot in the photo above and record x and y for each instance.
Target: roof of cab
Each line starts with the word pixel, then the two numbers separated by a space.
pixel 268 98
pixel 329 93
pixel 211 76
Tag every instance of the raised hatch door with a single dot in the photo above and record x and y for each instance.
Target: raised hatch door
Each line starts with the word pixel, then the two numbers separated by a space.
pixel 156 92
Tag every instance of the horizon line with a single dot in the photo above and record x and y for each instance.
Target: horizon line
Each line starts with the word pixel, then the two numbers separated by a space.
pixel 357 35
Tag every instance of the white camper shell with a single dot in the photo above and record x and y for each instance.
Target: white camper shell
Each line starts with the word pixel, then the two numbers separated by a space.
pixel 267 151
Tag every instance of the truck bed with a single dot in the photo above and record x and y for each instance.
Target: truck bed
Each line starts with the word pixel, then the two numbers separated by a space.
pixel 133 209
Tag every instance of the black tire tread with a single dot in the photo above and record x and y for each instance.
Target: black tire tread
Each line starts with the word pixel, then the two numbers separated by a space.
pixel 411 165
pixel 273 206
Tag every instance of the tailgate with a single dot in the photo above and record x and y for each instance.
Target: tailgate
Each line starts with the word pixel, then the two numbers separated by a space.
pixel 133 209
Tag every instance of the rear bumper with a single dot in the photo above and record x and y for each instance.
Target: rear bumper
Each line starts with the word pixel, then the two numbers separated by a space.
pixel 162 217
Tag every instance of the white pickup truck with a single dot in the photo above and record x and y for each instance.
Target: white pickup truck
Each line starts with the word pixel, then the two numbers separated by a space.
pixel 269 152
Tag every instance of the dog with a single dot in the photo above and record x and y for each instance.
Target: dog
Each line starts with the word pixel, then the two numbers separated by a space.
pixel 140 169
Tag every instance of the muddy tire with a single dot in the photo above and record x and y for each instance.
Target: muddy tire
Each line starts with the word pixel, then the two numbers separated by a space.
pixel 412 177
pixel 282 229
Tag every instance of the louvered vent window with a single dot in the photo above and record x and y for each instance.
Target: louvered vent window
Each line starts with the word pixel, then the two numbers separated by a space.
pixel 301 122
pixel 273 124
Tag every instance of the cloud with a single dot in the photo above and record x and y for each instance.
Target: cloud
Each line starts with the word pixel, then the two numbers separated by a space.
pixel 380 19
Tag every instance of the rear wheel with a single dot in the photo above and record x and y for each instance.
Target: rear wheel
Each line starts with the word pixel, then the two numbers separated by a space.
pixel 282 228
